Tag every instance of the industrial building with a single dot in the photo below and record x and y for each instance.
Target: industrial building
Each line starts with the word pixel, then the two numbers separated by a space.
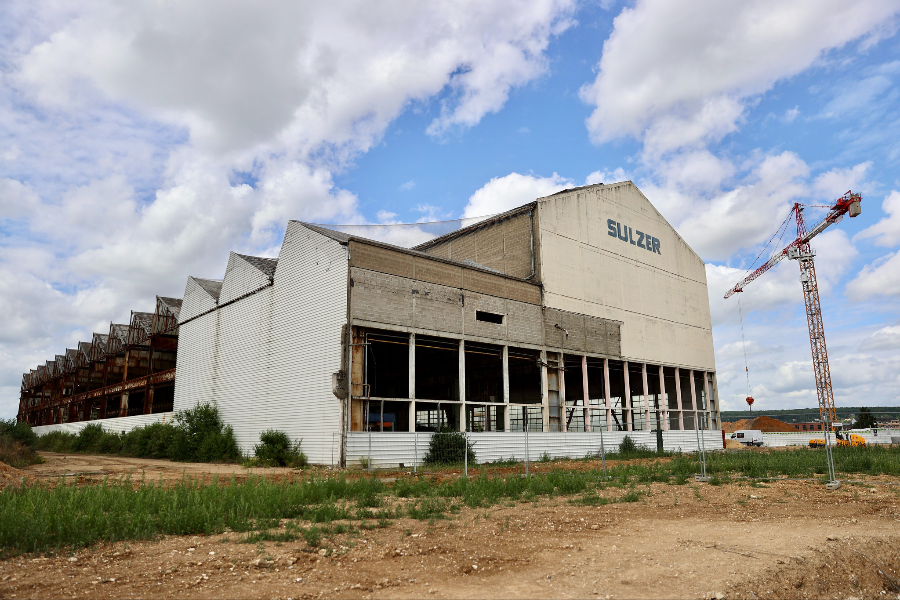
pixel 583 311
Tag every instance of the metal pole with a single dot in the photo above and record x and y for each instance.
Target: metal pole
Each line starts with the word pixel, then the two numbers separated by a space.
pixel 415 451
pixel 603 451
pixel 525 410
pixel 369 461
pixel 466 453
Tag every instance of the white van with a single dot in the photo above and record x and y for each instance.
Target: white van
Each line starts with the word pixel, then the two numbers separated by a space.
pixel 748 437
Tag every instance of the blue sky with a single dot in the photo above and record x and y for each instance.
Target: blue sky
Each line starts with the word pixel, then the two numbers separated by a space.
pixel 140 143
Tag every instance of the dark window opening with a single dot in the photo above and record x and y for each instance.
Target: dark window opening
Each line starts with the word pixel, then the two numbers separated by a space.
pixel 575 404
pixel 430 416
pixel 484 373
pixel 135 403
pixel 636 390
pixel 617 395
pixel 524 377
pixel 387 365
pixel 488 317
pixel 596 382
pixel 385 415
pixel 164 399
pixel 437 368
pixel 671 398
pixel 684 384
pixel 654 399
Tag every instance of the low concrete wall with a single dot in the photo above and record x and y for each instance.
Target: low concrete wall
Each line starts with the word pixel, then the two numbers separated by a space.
pixel 118 425
pixel 802 438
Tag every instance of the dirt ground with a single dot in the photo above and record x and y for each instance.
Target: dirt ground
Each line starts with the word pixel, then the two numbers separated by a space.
pixel 785 539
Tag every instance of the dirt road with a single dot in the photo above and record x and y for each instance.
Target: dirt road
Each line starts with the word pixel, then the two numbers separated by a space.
pixel 780 540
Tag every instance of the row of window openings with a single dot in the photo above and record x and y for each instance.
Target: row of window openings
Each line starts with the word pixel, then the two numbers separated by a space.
pixel 437 375
pixel 386 415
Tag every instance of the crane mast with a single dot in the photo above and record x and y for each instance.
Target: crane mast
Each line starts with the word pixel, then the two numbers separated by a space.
pixel 800 250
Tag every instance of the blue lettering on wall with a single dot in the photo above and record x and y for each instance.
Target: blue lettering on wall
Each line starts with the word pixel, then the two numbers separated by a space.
pixel 626 234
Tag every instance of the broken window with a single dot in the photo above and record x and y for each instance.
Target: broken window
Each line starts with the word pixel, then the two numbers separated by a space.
pixel 430 416
pixel 524 376
pixel 575 405
pixel 684 384
pixel 484 372
pixel 484 417
pixel 700 390
pixel 488 317
pixel 437 368
pixel 671 397
pixel 596 383
pixel 387 364
pixel 638 401
pixel 526 418
pixel 654 399
pixel 617 395
pixel 387 415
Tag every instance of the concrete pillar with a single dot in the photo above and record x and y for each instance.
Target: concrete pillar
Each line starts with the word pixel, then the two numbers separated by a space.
pixel 563 411
pixel 627 404
pixel 506 388
pixel 663 401
pixel 462 385
pixel 587 394
pixel 606 394
pixel 678 399
pixel 646 398
pixel 545 393
pixel 412 382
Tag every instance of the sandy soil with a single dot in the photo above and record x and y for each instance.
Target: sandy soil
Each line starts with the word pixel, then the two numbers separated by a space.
pixel 783 540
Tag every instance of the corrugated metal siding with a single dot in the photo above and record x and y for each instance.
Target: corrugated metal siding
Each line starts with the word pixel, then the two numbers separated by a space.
pixel 195 361
pixel 310 307
pixel 391 449
pixel 119 425
pixel 802 438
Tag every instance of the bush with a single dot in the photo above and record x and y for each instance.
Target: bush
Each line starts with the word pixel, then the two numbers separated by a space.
pixel 56 441
pixel 276 449
pixel 18 432
pixel 202 437
pixel 16 454
pixel 447 447
pixel 627 446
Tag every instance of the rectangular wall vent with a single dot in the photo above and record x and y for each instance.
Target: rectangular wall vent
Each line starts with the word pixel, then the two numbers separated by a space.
pixel 488 317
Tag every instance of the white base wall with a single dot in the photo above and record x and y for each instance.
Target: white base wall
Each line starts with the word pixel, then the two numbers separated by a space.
pixel 802 439
pixel 388 450
pixel 117 425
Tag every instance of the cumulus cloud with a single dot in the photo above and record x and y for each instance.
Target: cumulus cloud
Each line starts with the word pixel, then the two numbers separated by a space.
pixel 878 278
pixel 886 338
pixel 678 73
pixel 885 232
pixel 504 193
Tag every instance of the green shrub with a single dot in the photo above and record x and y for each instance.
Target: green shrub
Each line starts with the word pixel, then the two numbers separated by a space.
pixel 88 439
pixel 56 441
pixel 275 448
pixel 18 432
pixel 448 447
pixel 16 454
pixel 627 446
pixel 202 437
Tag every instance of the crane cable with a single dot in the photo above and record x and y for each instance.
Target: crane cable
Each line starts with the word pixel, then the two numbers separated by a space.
pixel 744 345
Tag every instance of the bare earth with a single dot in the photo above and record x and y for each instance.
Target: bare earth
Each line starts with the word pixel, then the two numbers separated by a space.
pixel 783 540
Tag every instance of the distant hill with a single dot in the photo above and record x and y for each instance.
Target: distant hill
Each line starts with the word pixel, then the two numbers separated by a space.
pixel 804 415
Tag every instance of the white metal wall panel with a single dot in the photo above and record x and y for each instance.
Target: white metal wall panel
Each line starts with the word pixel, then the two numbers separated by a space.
pixel 195 361
pixel 240 277
pixel 392 449
pixel 118 425
pixel 802 438
pixel 310 307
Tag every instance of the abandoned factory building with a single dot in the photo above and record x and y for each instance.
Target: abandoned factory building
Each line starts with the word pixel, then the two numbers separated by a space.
pixel 581 311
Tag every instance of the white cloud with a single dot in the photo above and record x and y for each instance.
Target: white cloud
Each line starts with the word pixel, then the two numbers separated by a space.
pixel 407 186
pixel 886 338
pixel 604 176
pixel 833 184
pixel 678 73
pixel 791 114
pixel 16 199
pixel 878 278
pixel 504 193
pixel 886 231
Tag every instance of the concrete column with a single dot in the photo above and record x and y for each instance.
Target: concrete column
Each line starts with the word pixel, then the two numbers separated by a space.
pixel 587 394
pixel 627 404
pixel 646 398
pixel 462 385
pixel 412 382
pixel 606 393
pixel 545 392
pixel 694 401
pixel 664 401
pixel 563 411
pixel 678 398
pixel 506 388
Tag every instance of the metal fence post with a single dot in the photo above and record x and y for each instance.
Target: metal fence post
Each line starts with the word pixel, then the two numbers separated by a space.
pixel 369 460
pixel 603 452
pixel 526 447
pixel 466 453
pixel 701 454
pixel 415 451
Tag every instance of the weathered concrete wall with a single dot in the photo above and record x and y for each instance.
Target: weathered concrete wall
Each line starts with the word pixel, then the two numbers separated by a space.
pixel 659 293
pixel 504 245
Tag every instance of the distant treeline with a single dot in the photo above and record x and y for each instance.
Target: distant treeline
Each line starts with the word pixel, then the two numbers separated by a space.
pixel 805 415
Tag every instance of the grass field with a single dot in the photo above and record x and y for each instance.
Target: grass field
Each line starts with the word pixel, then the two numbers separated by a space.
pixel 44 517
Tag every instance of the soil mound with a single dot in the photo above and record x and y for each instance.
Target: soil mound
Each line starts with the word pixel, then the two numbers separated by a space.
pixel 764 424
pixel 10 477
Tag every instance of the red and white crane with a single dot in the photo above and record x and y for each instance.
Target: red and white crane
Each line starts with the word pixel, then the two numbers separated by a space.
pixel 801 251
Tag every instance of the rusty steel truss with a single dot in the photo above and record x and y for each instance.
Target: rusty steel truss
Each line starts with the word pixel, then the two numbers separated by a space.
pixel 127 371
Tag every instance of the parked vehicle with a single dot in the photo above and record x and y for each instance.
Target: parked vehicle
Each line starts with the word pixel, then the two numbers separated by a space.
pixel 842 439
pixel 748 437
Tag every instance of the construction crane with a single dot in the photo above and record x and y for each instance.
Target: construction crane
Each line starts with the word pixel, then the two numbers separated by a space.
pixel 800 250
